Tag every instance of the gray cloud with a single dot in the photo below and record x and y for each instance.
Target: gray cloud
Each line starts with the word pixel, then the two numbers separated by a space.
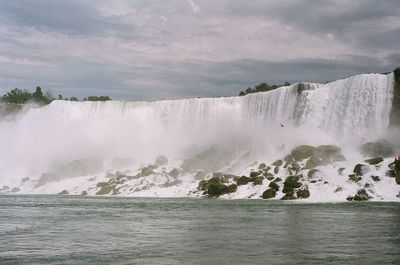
pixel 174 49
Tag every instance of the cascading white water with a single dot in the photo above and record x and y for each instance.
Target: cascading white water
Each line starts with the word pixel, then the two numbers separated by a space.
pixel 260 123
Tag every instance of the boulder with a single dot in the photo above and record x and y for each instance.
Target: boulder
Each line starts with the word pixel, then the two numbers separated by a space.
pixel 354 178
pixel 262 166
pixel 243 180
pixel 274 185
pixel 376 178
pixel 232 188
pixel 268 194
pixel 374 161
pixel 375 149
pixel 174 173
pixel 289 196
pixel 146 171
pixel 84 193
pixel 64 192
pixel 278 179
pixel 390 173
pixel 258 180
pixel 292 182
pixel 362 195
pixel 161 161
pixel 303 194
pixel 105 188
pixel 276 170
pixel 361 169
pixel 338 189
pixel 397 178
pixel 254 174
pixel 216 189
pixel 270 178
pixel 302 152
pixel 295 167
pixel 277 163
pixel 313 162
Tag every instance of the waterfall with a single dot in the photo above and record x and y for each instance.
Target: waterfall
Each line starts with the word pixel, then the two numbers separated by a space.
pixel 62 131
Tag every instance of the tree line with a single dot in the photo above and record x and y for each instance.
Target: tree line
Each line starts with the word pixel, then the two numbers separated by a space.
pixel 22 96
pixel 261 88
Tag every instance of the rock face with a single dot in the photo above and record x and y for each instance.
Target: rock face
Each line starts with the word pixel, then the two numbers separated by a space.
pixel 395 113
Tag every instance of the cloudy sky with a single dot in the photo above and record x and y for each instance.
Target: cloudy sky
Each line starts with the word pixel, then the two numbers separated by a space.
pixel 147 50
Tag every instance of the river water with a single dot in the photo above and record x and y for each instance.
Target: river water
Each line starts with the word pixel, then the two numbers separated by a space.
pixel 110 230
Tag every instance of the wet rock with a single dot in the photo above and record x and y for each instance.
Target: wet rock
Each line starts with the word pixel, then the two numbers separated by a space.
pixel 262 166
pixel 161 161
pixel 146 171
pixel 295 168
pixel 390 173
pixel 303 194
pixel 105 188
pixel 276 170
pixel 268 194
pixel 243 180
pixel 354 178
pixel 270 178
pixel 174 173
pixel 397 178
pixel 254 174
pixel 64 192
pixel 217 189
pixel 376 178
pixel 362 195
pixel 232 188
pixel 258 180
pixel 277 163
pixel 203 185
pixel 375 149
pixel 224 179
pixel 278 179
pixel 302 152
pixel 289 196
pixel 84 193
pixel 292 182
pixel 361 169
pixel 313 162
pixel 274 185
pixel 313 173
pixel 392 165
pixel 338 189
pixel 374 161
pixel 289 159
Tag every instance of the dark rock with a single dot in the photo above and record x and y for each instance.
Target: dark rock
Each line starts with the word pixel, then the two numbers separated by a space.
pixel 254 174
pixel 362 195
pixel 376 178
pixel 367 185
pixel 292 182
pixel 270 178
pixel 161 161
pixel 174 173
pixel 380 148
pixel 276 170
pixel 105 188
pixel 354 178
pixel 326 182
pixel 274 185
pixel 338 189
pixel 217 189
pixel 289 196
pixel 313 162
pixel 268 194
pixel 262 166
pixel 64 192
pixel 258 180
pixel 350 198
pixel 278 179
pixel 374 161
pixel 392 165
pixel 302 152
pixel 243 180
pixel 303 194
pixel 390 173
pixel 146 171
pixel 397 178
pixel 277 163
pixel 295 167
pixel 361 169
pixel 268 168
pixel 232 188
pixel 313 181
pixel 84 193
